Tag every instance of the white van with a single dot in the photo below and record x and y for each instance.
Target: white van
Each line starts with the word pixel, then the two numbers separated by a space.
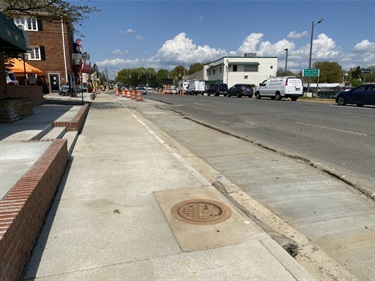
pixel 195 87
pixel 280 87
pixel 182 85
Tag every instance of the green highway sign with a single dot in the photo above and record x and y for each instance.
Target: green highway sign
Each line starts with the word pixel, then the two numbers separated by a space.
pixel 311 72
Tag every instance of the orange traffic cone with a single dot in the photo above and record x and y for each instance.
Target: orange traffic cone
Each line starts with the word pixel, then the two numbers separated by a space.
pixel 139 96
pixel 133 96
pixel 116 92
pixel 123 93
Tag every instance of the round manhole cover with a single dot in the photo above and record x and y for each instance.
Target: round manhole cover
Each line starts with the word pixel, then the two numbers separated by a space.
pixel 201 211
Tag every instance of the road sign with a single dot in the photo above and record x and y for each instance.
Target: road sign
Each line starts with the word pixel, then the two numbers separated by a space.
pixel 311 72
pixel 76 56
pixel 366 70
pixel 86 56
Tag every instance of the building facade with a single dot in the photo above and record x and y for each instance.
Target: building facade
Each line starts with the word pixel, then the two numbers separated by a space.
pixel 248 69
pixel 50 48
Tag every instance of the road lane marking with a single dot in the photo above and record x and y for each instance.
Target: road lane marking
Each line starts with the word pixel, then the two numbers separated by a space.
pixel 334 129
pixel 201 104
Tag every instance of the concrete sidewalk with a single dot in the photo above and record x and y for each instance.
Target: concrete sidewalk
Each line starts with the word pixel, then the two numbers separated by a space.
pixel 130 208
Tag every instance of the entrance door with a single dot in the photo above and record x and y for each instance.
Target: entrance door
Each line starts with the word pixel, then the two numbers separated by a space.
pixel 54 82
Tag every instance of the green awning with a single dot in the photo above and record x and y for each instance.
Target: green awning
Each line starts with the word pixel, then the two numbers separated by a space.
pixel 11 37
pixel 215 66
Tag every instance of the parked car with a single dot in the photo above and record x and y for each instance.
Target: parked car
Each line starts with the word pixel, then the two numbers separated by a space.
pixel 11 78
pixel 240 90
pixel 360 96
pixel 143 90
pixel 218 89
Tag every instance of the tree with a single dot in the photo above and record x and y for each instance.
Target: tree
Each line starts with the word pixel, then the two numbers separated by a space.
pixel 194 68
pixel 355 76
pixel 281 72
pixel 177 73
pixel 56 9
pixel 330 72
pixel 160 75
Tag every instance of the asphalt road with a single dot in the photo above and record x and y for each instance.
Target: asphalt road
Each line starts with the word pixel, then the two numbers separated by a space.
pixel 336 139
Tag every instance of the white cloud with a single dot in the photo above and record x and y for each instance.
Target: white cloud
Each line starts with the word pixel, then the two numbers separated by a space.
pixel 325 48
pixel 296 35
pixel 364 46
pixel 181 48
pixel 119 52
pixel 129 31
pixel 254 44
pixel 249 45
pixel 138 37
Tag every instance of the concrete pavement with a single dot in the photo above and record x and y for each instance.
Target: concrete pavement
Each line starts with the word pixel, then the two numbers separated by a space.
pixel 129 207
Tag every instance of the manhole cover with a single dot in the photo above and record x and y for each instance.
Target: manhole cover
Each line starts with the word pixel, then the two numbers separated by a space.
pixel 201 211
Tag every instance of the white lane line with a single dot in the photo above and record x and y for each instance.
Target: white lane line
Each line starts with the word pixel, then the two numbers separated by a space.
pixel 334 129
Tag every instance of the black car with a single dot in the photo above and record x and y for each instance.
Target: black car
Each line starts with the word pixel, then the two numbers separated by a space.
pixel 240 90
pixel 218 89
pixel 360 96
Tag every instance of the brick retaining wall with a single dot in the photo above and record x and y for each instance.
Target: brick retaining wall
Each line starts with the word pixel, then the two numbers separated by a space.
pixel 24 207
pixel 35 93
pixel 13 109
pixel 76 124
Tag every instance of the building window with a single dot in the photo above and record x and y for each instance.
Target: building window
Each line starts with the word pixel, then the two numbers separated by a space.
pixel 34 53
pixel 213 72
pixel 221 70
pixel 251 68
pixel 234 68
pixel 29 24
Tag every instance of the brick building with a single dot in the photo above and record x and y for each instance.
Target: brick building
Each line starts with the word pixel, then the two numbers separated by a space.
pixel 50 48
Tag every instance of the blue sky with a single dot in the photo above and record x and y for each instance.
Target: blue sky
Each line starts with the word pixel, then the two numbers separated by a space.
pixel 162 34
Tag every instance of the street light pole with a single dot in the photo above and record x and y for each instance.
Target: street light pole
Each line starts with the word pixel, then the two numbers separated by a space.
pixel 286 61
pixel 311 44
pixel 183 65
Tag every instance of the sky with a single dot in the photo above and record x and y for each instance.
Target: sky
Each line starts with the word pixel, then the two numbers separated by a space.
pixel 165 34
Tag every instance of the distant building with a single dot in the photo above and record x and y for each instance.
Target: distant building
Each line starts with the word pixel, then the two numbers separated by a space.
pixel 248 69
pixel 50 48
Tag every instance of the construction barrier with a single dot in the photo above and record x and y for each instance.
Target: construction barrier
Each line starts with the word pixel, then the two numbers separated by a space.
pixel 139 95
pixel 133 96
pixel 123 93
pixel 116 92
pixel 128 94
